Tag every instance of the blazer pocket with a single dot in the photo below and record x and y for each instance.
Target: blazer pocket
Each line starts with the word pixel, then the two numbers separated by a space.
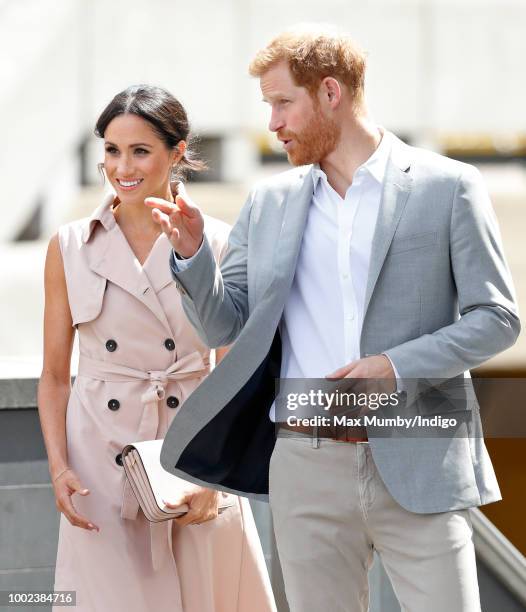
pixel 415 241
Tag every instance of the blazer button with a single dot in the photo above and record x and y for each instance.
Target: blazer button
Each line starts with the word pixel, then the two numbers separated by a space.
pixel 172 402
pixel 169 344
pixel 118 459
pixel 111 345
pixel 114 404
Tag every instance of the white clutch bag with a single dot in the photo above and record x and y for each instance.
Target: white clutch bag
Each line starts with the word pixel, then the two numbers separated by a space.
pixel 151 483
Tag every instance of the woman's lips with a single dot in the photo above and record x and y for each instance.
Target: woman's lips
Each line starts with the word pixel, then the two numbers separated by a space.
pixel 129 185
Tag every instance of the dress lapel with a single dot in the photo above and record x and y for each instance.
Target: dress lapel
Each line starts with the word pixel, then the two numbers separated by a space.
pixel 109 255
pixel 155 275
pixel 396 189
pixel 156 266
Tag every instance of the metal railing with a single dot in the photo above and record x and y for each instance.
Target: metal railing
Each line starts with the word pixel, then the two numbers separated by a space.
pixel 500 556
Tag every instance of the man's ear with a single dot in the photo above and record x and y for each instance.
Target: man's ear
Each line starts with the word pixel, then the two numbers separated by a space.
pixel 330 91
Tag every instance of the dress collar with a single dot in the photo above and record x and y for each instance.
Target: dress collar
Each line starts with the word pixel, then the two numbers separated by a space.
pixel 102 214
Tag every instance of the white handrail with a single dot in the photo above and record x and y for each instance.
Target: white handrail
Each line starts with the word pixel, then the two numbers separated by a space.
pixel 499 555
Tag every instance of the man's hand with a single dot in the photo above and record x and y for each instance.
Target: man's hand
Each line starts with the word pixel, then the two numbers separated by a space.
pixel 377 367
pixel 182 223
pixel 202 506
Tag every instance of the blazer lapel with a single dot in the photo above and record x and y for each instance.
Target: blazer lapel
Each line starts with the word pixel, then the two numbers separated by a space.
pixel 396 189
pixel 288 244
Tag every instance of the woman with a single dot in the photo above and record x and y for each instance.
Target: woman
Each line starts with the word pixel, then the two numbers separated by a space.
pixel 108 277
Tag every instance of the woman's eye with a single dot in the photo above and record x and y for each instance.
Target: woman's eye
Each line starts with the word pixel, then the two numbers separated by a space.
pixel 141 151
pixel 111 150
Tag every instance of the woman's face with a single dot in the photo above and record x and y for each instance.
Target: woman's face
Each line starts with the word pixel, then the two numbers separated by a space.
pixel 137 162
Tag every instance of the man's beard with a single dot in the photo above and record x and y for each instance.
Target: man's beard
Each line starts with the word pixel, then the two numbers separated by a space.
pixel 314 142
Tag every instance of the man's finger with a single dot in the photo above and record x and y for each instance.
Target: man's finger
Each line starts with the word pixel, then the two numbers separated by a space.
pixel 341 372
pixel 164 205
pixel 164 221
pixel 186 206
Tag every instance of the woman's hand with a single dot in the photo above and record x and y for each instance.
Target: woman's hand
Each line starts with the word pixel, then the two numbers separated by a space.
pixel 182 223
pixel 65 485
pixel 202 506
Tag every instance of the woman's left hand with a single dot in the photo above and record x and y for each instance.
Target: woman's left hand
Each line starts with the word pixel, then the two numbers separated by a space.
pixel 202 506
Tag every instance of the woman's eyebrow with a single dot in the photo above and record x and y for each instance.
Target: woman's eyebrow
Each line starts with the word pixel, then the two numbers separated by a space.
pixel 136 144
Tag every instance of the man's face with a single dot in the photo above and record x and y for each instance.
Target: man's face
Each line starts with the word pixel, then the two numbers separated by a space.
pixel 307 133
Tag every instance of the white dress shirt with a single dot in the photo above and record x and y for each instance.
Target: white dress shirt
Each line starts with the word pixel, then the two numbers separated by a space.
pixel 323 315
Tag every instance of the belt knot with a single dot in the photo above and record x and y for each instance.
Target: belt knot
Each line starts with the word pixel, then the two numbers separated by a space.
pixel 158 380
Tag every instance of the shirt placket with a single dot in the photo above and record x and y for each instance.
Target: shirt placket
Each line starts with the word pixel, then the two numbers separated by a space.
pixel 347 209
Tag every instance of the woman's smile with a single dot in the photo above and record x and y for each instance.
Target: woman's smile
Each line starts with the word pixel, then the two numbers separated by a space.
pixel 130 184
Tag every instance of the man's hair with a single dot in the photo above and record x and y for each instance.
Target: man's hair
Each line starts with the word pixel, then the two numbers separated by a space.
pixel 313 52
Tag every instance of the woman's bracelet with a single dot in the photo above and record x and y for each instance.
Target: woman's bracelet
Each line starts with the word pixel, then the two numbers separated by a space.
pixel 60 473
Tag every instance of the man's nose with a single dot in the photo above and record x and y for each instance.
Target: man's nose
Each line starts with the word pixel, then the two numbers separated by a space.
pixel 276 122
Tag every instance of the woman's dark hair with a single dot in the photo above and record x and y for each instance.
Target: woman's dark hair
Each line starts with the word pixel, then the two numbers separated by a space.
pixel 163 111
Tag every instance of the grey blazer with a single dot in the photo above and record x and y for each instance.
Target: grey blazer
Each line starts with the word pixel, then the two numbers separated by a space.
pixel 439 302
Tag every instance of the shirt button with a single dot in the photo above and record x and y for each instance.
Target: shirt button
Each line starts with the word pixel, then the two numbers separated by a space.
pixel 172 402
pixel 118 459
pixel 345 275
pixel 111 345
pixel 114 404
pixel 169 344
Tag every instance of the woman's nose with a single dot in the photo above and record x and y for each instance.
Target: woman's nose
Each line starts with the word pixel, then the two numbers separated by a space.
pixel 125 166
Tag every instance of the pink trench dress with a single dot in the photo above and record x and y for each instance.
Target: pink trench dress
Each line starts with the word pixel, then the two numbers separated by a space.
pixel 139 360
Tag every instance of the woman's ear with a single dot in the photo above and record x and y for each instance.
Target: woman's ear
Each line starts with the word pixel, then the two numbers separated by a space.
pixel 178 151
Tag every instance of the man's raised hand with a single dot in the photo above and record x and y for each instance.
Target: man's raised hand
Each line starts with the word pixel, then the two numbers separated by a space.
pixel 182 223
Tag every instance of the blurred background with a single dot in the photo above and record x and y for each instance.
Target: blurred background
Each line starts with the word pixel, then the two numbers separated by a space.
pixel 442 74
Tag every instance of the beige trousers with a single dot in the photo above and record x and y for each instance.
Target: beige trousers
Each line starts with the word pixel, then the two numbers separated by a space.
pixel 331 510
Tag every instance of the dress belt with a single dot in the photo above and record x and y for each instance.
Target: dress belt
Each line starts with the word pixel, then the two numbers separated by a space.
pixel 190 366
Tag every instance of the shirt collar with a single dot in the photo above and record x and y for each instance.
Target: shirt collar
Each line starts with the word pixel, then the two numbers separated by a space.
pixel 376 164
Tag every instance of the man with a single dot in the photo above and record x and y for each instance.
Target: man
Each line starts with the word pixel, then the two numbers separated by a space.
pixel 371 259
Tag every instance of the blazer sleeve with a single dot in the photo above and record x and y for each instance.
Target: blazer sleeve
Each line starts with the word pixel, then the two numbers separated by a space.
pixel 215 297
pixel 488 321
